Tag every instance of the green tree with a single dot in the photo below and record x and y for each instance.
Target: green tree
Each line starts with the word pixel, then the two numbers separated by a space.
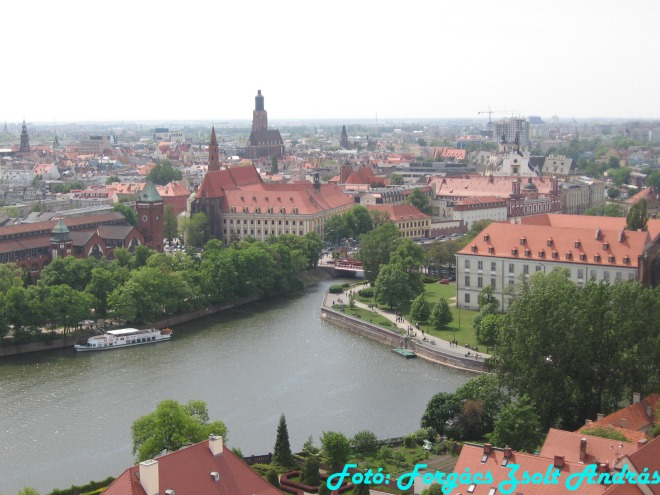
pixel 609 210
pixel 613 163
pixel 440 412
pixel 309 448
pixel 396 180
pixel 309 474
pixel 613 192
pixel 361 489
pixel 171 426
pixel 335 448
pixel 488 329
pixel 619 176
pixel 364 442
pixel 420 309
pixel 358 220
pixel 170 224
pixel 637 218
pixel 282 452
pixel 653 180
pixel 376 247
pixel 392 286
pixel 324 490
pixel 336 228
pixel 483 399
pixel 28 491
pixel 518 426
pixel 111 180
pixel 128 212
pixel 441 315
pixel 379 217
pixel 68 306
pixel 419 200
pixel 434 489
pixel 274 167
pixel 163 173
pixel 272 477
pixel 195 229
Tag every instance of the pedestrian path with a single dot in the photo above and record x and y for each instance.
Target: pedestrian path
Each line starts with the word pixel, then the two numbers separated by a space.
pixel 417 336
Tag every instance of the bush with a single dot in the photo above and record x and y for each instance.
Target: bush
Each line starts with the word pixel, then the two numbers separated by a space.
pixel 385 453
pixel 429 280
pixel 367 293
pixel 336 289
pixel 309 475
pixel 409 441
pixel 364 442
pixel 262 469
pixel 273 478
pixel 346 286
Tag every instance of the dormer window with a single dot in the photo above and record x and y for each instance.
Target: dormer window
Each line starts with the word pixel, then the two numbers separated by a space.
pixel 528 252
pixel 569 255
pixel 282 210
pixel 491 249
pixel 541 254
pixel 597 257
pixel 610 259
pixel 232 209
pixel 514 252
pixel 549 242
pixel 257 209
pixel 583 257
pixel 555 255
pixel 626 260
pixel 295 211
pixel 270 210
pixel 474 248
pixel 606 246
pixel 245 209
pixel 486 237
pixel 522 241
pixel 577 244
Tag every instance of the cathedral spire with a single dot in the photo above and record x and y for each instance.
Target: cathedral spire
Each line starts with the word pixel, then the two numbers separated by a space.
pixel 25 140
pixel 214 160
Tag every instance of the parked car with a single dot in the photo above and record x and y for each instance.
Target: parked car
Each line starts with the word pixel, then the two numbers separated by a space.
pixel 444 281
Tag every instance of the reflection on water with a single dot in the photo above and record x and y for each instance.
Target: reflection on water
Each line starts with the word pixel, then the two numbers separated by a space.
pixel 66 417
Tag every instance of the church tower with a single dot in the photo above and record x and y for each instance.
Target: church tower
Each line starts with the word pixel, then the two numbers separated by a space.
pixel 214 160
pixel 149 207
pixel 343 141
pixel 61 243
pixel 259 116
pixel 25 140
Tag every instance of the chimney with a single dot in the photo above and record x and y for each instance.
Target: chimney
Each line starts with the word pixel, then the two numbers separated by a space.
pixel 603 467
pixel 641 443
pixel 589 421
pixel 636 397
pixel 583 450
pixel 649 411
pixel 559 461
pixel 599 416
pixel 488 448
pixel 215 444
pixel 624 423
pixel 149 476
pixel 507 452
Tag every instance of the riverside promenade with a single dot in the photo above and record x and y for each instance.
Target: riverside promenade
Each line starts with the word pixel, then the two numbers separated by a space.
pixel 441 351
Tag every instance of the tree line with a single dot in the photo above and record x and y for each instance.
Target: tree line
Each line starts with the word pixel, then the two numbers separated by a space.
pixel 144 286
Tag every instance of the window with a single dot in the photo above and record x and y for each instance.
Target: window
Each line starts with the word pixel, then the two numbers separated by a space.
pixel 511 282
pixel 538 268
pixel 480 265
pixel 493 283
pixel 619 276
pixel 592 274
pixel 525 269
pixel 270 210
pixel 511 268
pixel 606 275
pixel 493 266
pixel 580 273
pixel 491 249
pixel 467 298
pixel 471 488
pixel 245 209
pixel 480 282
pixel 467 281
pixel 631 276
pixel 467 263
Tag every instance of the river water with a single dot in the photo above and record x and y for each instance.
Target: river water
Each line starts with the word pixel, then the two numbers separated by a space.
pixel 65 418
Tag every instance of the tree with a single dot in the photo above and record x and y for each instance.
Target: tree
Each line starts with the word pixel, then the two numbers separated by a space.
pixel 195 229
pixel 420 201
pixel 396 180
pixel 420 309
pixel 336 228
pixel 274 167
pixel 28 491
pixel 392 286
pixel 324 490
pixel 376 247
pixel 335 448
pixel 609 210
pixel 272 477
pixel 637 216
pixel 282 451
pixel 653 180
pixel 483 399
pixel 379 217
pixel 440 412
pixel 364 442
pixel 488 329
pixel 163 173
pixel 171 426
pixel 309 474
pixel 358 220
pixel 128 212
pixel 434 489
pixel 441 315
pixel 613 192
pixel 619 176
pixel 309 448
pixel 361 489
pixel 518 426
pixel 100 287
pixel 613 163
pixel 170 224
pixel 111 180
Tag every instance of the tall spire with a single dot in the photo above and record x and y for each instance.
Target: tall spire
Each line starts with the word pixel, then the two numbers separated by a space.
pixel 214 160
pixel 25 140
pixel 259 116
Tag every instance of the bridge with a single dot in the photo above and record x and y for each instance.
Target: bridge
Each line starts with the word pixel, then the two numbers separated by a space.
pixel 348 268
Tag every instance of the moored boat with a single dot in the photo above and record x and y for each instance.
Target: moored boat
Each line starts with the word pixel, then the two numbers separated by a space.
pixel 125 337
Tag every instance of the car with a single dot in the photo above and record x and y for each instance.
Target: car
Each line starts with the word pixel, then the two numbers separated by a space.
pixel 444 281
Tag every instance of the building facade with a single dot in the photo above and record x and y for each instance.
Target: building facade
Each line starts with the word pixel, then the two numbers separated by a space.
pixel 263 142
pixel 411 222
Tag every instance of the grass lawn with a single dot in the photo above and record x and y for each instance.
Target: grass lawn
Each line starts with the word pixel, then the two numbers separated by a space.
pixel 370 317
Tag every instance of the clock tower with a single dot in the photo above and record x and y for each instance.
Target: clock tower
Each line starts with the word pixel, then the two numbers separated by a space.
pixel 149 208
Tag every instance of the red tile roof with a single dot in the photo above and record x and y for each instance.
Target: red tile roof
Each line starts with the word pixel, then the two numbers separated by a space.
pixel 646 457
pixel 632 435
pixel 616 248
pixel 471 456
pixel 480 185
pixel 597 449
pixel 483 200
pixel 188 471
pixel 634 417
pixel 217 181
pixel 400 213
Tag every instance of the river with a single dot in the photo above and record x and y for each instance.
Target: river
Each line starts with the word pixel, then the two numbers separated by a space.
pixel 66 417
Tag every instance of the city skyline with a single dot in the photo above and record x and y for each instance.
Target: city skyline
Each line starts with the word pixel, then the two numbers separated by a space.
pixel 364 61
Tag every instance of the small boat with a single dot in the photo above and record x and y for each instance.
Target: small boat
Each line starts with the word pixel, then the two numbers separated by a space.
pixel 404 352
pixel 124 337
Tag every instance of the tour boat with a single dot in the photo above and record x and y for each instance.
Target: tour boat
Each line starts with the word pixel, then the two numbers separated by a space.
pixel 125 337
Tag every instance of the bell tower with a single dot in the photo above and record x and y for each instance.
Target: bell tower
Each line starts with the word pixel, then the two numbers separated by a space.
pixel 259 116
pixel 214 160
pixel 61 243
pixel 149 206
pixel 25 140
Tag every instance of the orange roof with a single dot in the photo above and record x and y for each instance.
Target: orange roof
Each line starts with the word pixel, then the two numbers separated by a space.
pixel 632 435
pixel 482 200
pixel 596 449
pixel 481 185
pixel 172 189
pixel 471 458
pixel 400 213
pixel 586 244
pixel 634 417
pixel 189 471
pixel 646 457
pixel 217 181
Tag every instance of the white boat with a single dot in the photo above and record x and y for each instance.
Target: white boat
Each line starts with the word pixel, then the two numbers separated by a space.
pixel 125 337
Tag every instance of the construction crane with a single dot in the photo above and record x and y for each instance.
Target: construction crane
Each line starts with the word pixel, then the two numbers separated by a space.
pixel 491 112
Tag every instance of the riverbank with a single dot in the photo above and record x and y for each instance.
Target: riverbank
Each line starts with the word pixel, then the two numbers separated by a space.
pixel 441 353
pixel 309 278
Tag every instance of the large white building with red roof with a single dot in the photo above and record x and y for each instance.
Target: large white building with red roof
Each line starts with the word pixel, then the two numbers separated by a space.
pixel 239 204
pixel 411 222
pixel 589 247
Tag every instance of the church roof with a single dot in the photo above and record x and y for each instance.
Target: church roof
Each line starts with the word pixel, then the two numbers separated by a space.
pixel 265 138
pixel 149 193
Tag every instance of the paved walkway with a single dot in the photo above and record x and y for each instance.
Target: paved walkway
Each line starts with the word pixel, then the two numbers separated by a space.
pixel 403 324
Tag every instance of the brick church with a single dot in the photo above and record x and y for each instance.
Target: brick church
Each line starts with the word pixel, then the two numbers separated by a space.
pixel 263 142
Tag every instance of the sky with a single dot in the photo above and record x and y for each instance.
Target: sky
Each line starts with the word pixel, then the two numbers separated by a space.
pixel 82 60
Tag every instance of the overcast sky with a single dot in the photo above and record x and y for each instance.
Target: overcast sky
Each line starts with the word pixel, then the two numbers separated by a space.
pixel 74 60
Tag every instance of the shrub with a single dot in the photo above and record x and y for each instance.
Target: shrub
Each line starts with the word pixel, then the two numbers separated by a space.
pixel 309 475
pixel 364 442
pixel 611 433
pixel 273 478
pixel 262 469
pixel 385 453
pixel 409 441
pixel 368 292
pixel 429 280
pixel 346 286
pixel 336 289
